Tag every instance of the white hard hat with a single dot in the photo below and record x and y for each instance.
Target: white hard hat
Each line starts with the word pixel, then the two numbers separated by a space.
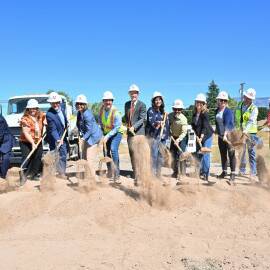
pixel 201 97
pixel 134 87
pixel 108 95
pixel 32 103
pixel 178 104
pixel 223 95
pixel 81 99
pixel 54 97
pixel 156 94
pixel 250 93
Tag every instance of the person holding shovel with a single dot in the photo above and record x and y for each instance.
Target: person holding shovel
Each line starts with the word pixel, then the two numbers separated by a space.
pixel 57 132
pixel 135 116
pixel 204 133
pixel 90 133
pixel 32 125
pixel 178 130
pixel 225 124
pixel 6 144
pixel 157 129
pixel 246 115
pixel 110 121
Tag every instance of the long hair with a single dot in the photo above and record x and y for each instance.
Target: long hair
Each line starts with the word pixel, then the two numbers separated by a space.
pixel 162 106
pixel 204 108
pixel 38 113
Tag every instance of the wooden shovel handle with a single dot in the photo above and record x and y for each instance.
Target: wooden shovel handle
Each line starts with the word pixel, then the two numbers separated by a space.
pixel 33 150
pixel 175 143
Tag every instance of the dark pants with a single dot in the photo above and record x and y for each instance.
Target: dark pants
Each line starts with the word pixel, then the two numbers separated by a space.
pixel 4 163
pixel 131 154
pixel 62 164
pixel 176 155
pixel 34 164
pixel 112 151
pixel 226 150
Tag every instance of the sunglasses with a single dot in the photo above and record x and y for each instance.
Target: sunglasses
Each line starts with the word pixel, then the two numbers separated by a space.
pixel 177 110
pixel 79 104
pixel 222 100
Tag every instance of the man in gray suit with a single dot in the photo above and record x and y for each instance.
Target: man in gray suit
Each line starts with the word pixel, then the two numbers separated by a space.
pixel 135 115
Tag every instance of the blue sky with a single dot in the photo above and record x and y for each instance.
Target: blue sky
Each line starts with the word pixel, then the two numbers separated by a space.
pixel 176 47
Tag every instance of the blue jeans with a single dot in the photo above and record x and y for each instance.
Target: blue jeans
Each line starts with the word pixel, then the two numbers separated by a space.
pixel 112 151
pixel 206 158
pixel 156 157
pixel 251 146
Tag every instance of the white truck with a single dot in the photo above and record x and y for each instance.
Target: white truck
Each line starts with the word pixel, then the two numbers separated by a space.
pixel 15 110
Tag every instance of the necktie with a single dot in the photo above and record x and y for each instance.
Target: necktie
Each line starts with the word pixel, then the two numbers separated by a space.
pixel 131 112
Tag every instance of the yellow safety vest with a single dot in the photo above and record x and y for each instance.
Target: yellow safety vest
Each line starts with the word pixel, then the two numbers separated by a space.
pixel 241 119
pixel 107 124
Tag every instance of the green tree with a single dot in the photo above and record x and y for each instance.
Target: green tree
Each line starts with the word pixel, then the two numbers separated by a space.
pixel 232 103
pixel 212 94
pixel 188 112
pixel 262 113
pixel 62 93
pixel 95 108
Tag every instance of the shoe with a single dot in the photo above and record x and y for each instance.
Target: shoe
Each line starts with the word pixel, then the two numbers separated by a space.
pixel 174 175
pixel 117 180
pixel 241 173
pixel 136 183
pixel 232 177
pixel 222 175
pixel 204 177
pixel 178 183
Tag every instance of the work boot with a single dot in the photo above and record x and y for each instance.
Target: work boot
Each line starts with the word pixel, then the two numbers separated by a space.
pixel 222 175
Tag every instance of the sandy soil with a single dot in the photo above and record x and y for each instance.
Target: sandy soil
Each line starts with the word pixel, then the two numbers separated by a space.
pixel 197 226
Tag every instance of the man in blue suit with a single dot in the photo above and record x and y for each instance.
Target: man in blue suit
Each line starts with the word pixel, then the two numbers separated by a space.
pixel 57 124
pixel 6 144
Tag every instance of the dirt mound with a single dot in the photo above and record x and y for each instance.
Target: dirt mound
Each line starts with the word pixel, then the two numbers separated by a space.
pixel 151 188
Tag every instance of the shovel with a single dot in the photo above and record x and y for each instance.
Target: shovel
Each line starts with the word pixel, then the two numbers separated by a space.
pixel 203 150
pixel 161 146
pixel 183 155
pixel 104 159
pixel 23 178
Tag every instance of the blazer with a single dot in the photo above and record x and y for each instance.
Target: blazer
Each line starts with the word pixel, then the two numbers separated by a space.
pixel 88 127
pixel 228 121
pixel 138 118
pixel 6 138
pixel 202 126
pixel 55 128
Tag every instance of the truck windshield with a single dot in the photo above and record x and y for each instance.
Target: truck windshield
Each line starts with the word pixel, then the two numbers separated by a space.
pixel 18 105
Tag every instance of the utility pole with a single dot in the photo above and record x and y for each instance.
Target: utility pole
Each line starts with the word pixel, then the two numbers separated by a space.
pixel 241 90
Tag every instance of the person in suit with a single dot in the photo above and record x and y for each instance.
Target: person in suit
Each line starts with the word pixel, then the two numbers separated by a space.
pixel 135 117
pixel 6 144
pixel 90 132
pixel 225 124
pixel 204 133
pixel 57 124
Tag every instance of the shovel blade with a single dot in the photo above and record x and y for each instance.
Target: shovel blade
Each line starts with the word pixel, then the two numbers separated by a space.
pixel 106 160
